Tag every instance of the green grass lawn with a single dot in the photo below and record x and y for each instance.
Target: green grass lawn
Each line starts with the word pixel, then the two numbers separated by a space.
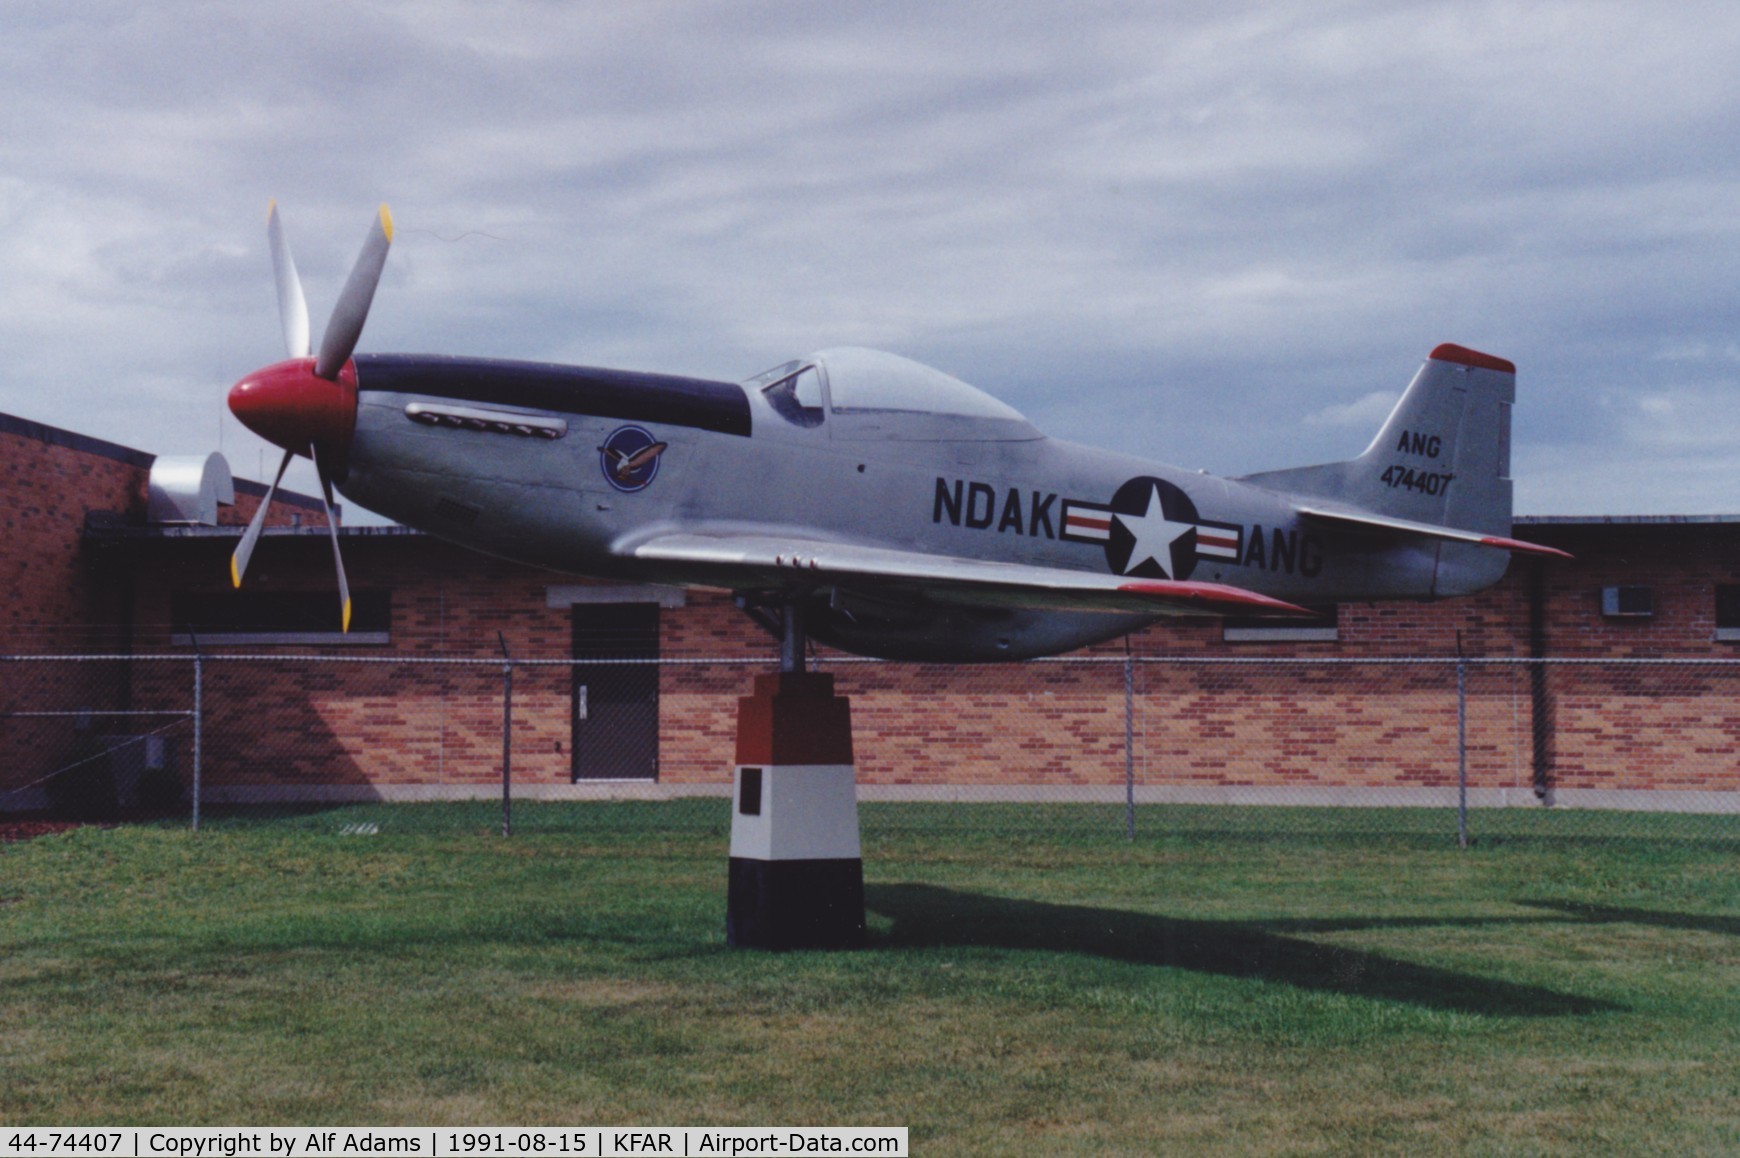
pixel 1234 980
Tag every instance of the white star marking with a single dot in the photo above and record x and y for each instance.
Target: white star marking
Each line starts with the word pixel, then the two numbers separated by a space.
pixel 1155 534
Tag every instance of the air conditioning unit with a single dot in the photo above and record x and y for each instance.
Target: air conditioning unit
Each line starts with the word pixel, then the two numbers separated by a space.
pixel 1627 602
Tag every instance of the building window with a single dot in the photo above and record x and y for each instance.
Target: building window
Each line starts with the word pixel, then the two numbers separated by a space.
pixel 1628 602
pixel 1728 611
pixel 1320 628
pixel 265 618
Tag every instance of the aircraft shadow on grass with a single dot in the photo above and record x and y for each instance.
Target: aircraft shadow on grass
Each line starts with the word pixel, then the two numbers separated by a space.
pixel 926 916
pixel 1605 915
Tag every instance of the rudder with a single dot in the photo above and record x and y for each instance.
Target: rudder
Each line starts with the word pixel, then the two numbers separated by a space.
pixel 1442 457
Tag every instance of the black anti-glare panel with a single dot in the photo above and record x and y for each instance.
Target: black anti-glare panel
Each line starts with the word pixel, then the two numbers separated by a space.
pixel 582 390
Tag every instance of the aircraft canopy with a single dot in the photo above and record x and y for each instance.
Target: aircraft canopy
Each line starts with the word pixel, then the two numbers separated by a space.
pixel 872 394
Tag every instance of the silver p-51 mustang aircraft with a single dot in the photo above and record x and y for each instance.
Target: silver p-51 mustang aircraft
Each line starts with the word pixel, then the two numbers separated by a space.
pixel 884 507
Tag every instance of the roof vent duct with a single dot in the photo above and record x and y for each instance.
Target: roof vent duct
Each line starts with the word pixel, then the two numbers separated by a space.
pixel 188 489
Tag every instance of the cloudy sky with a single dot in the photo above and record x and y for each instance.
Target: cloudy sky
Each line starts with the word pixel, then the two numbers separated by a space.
pixel 1220 235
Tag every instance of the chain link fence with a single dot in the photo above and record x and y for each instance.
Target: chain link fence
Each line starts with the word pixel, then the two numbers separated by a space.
pixel 1440 748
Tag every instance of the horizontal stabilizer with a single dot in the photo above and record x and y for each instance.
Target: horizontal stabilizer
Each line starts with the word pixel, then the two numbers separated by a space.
pixel 751 561
pixel 1384 525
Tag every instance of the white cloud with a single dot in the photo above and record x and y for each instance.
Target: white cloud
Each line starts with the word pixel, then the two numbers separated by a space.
pixel 1365 413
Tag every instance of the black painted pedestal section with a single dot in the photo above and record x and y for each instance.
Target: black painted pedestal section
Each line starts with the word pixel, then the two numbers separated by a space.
pixel 795 904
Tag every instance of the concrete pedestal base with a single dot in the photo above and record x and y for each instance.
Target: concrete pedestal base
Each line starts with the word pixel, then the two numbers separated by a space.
pixel 797 875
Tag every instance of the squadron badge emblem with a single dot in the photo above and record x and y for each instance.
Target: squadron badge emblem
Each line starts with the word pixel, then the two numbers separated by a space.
pixel 630 458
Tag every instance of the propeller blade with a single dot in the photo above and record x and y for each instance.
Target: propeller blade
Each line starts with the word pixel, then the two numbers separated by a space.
pixel 245 549
pixel 332 528
pixel 352 310
pixel 292 306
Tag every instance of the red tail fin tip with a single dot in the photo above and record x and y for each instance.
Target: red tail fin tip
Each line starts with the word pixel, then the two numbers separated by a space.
pixel 1462 354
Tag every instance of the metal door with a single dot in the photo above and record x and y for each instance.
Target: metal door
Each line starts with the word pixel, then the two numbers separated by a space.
pixel 615 705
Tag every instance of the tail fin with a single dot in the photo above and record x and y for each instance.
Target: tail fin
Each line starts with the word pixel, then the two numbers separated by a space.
pixel 1442 457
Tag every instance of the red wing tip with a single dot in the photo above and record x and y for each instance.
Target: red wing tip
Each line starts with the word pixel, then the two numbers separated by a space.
pixel 1217 595
pixel 1449 352
pixel 1521 547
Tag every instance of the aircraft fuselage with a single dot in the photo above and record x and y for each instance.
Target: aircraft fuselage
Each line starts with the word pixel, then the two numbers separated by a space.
pixel 527 462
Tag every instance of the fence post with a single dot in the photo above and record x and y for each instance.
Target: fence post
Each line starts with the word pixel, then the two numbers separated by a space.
pixel 1129 742
pixel 198 725
pixel 1461 752
pixel 507 747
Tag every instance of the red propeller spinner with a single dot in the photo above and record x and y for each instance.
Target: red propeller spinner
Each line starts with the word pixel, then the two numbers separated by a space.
pixel 292 407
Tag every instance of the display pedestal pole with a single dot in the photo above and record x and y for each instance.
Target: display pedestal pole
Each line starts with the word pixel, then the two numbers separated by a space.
pixel 797 875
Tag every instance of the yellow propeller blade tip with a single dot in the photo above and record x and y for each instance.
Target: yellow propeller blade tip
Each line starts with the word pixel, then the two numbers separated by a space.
pixel 235 575
pixel 386 221
pixel 346 627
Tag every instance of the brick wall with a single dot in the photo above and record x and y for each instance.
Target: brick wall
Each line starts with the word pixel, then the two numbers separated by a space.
pixel 57 592
pixel 1364 726
pixel 298 725
pixel 62 591
pixel 52 593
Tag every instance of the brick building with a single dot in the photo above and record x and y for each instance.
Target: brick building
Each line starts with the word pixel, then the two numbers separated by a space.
pixel 93 561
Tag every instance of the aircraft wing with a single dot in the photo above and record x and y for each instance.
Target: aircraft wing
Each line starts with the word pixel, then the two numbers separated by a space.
pixel 1383 525
pixel 774 561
